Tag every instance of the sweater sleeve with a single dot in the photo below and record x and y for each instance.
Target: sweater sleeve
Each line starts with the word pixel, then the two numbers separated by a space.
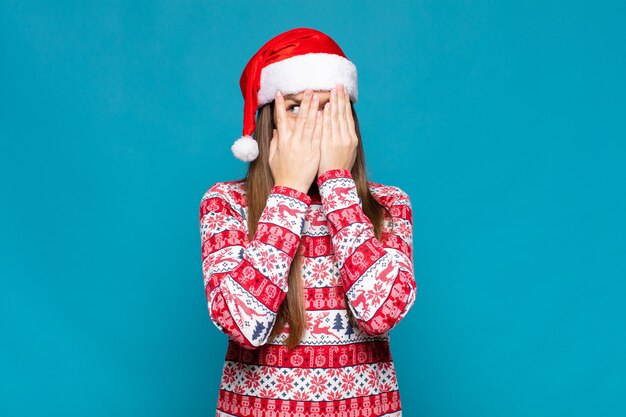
pixel 377 276
pixel 246 281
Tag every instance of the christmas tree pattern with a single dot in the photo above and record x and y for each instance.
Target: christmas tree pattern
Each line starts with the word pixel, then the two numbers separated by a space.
pixel 257 330
pixel 338 322
pixel 349 330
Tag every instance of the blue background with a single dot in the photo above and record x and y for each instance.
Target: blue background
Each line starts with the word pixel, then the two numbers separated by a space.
pixel 504 121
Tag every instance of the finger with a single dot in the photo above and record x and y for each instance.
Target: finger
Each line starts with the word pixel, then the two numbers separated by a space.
pixel 326 127
pixel 281 115
pixel 334 124
pixel 350 117
pixel 302 113
pixel 341 115
pixel 309 124
pixel 317 132
pixel 273 144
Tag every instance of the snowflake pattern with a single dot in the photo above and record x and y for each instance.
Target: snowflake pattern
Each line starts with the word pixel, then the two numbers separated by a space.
pixel 316 384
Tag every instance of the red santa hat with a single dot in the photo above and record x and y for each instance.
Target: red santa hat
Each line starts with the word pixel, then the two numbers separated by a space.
pixel 291 62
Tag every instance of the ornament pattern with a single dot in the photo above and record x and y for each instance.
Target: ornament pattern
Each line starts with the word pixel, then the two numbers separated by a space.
pixel 337 369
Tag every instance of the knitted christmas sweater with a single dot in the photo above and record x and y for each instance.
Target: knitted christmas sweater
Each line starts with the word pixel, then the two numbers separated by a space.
pixel 337 369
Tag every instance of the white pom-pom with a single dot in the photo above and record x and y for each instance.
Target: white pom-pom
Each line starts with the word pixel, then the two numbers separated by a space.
pixel 245 148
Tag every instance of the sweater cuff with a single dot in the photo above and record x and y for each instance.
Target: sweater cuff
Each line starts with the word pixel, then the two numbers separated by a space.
pixel 292 192
pixel 333 173
pixel 338 191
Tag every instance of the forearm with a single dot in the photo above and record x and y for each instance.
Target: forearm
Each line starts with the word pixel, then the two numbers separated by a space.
pixel 245 282
pixel 377 276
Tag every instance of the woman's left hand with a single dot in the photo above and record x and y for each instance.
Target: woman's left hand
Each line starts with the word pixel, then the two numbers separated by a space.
pixel 339 139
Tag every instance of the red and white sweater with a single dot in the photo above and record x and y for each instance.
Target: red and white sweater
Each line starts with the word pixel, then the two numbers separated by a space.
pixel 337 370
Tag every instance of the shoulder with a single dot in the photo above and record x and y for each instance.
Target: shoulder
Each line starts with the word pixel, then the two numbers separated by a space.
pixel 232 192
pixel 389 195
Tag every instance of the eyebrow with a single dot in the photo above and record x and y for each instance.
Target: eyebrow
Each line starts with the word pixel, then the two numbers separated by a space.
pixel 298 97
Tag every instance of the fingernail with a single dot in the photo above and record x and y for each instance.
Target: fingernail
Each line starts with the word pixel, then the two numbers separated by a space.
pixel 308 92
pixel 279 94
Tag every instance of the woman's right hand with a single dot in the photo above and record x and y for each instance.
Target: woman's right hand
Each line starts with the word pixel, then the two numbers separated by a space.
pixel 295 154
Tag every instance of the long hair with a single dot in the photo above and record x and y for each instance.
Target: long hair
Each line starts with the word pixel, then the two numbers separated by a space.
pixel 259 183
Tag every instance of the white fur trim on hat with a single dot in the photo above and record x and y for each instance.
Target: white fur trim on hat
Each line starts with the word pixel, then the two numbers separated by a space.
pixel 315 71
pixel 245 148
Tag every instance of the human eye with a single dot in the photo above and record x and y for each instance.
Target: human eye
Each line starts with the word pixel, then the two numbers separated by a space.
pixel 292 107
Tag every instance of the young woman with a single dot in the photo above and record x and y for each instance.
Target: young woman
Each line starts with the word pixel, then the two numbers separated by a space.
pixel 307 264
